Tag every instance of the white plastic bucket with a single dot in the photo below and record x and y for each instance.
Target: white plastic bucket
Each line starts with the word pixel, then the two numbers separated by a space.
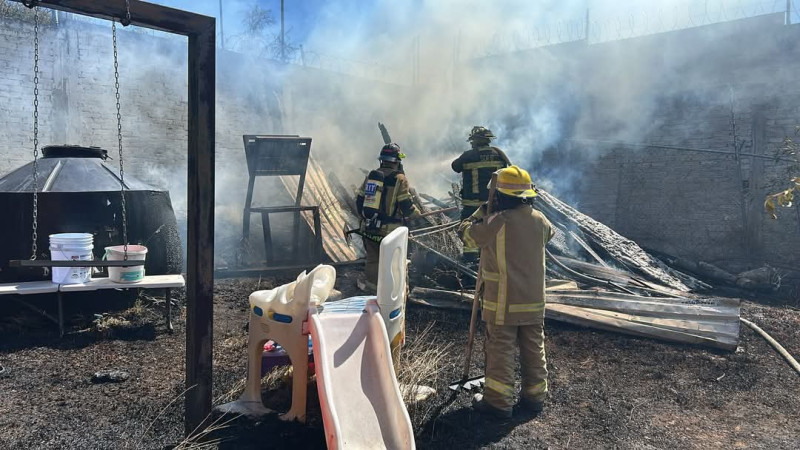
pixel 126 274
pixel 71 247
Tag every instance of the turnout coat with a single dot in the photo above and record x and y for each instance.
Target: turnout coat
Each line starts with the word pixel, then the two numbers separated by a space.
pixel 512 246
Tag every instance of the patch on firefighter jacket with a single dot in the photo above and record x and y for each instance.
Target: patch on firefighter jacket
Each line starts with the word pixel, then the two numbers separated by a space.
pixel 372 194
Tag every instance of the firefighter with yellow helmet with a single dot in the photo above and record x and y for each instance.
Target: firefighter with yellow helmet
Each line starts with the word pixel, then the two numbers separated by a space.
pixel 512 242
pixel 476 166
pixel 384 201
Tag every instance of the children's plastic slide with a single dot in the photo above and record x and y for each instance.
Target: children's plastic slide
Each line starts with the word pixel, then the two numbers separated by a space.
pixel 361 403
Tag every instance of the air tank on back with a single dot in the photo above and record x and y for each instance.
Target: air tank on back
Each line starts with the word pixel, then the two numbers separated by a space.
pixel 78 192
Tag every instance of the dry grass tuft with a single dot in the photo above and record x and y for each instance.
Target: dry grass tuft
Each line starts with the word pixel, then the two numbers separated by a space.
pixel 420 363
pixel 198 440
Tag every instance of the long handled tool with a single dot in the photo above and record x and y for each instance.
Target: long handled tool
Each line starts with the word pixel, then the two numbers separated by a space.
pixel 347 232
pixel 436 211
pixel 467 383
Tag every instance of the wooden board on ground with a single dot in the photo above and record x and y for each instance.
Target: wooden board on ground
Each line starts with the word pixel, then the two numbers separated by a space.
pixel 334 218
pixel 440 303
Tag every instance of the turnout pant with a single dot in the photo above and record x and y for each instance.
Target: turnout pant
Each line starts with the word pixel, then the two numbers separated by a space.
pixel 470 254
pixel 501 344
pixel 373 253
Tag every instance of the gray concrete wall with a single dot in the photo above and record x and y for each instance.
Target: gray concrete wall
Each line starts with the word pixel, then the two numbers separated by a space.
pixel 691 204
pixel 706 206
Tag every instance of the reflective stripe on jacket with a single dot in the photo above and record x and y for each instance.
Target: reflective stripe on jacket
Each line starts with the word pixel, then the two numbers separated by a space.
pixel 512 256
pixel 476 167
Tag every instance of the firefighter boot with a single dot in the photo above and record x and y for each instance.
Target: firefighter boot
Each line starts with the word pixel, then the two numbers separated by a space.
pixel 530 406
pixel 480 406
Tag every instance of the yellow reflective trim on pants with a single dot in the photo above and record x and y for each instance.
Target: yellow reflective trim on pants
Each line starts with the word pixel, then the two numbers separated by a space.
pixel 537 389
pixel 497 386
pixel 467 202
pixel 502 288
pixel 528 307
pixel 402 197
pixel 490 276
pixel 489 306
pixel 484 165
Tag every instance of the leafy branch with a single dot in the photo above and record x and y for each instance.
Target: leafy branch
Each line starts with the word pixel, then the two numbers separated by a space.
pixel 785 198
pixel 782 199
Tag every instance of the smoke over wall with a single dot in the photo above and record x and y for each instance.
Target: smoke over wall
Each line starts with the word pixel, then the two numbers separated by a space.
pixel 440 54
pixel 429 70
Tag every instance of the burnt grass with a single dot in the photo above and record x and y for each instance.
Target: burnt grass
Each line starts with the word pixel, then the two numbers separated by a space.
pixel 607 390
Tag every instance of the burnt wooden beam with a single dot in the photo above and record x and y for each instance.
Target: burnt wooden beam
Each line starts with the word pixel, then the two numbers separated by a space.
pixel 201 31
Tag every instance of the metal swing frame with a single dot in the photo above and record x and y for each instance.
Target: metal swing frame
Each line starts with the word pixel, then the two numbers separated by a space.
pixel 201 33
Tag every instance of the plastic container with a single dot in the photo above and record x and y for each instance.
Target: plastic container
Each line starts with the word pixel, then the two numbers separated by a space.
pixel 71 247
pixel 131 274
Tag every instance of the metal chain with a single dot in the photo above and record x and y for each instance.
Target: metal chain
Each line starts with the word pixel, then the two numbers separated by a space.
pixel 125 21
pixel 35 222
pixel 119 140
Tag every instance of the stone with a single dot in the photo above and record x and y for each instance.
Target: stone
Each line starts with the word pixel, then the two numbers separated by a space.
pixel 110 376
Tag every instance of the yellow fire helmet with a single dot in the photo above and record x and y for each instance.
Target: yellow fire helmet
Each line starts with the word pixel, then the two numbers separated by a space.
pixel 516 182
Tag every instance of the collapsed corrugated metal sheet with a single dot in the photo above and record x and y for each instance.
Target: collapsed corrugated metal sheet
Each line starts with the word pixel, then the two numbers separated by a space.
pixel 712 322
pixel 623 288
pixel 334 218
pixel 605 245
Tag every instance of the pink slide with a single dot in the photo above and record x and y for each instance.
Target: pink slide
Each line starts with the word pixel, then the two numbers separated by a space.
pixel 360 399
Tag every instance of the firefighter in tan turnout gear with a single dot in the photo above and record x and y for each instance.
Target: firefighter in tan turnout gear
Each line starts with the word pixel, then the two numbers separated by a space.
pixel 383 201
pixel 512 242
pixel 476 166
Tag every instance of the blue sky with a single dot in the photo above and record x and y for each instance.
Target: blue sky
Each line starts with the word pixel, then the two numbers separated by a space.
pixel 300 16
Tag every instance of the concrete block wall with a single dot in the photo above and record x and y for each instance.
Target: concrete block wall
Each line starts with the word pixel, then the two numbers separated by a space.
pixel 16 92
pixel 77 106
pixel 696 205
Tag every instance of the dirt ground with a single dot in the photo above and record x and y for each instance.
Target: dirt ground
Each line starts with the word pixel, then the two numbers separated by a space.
pixel 607 390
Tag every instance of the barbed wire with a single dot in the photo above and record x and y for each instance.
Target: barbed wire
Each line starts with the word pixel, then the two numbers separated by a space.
pixel 637 23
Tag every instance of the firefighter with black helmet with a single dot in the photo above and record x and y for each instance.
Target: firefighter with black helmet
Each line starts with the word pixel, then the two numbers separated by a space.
pixel 383 201
pixel 476 166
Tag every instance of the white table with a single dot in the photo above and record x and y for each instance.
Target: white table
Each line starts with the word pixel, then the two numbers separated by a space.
pixel 47 287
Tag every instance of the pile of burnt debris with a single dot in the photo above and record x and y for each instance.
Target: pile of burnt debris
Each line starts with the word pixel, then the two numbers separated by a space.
pixel 595 276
